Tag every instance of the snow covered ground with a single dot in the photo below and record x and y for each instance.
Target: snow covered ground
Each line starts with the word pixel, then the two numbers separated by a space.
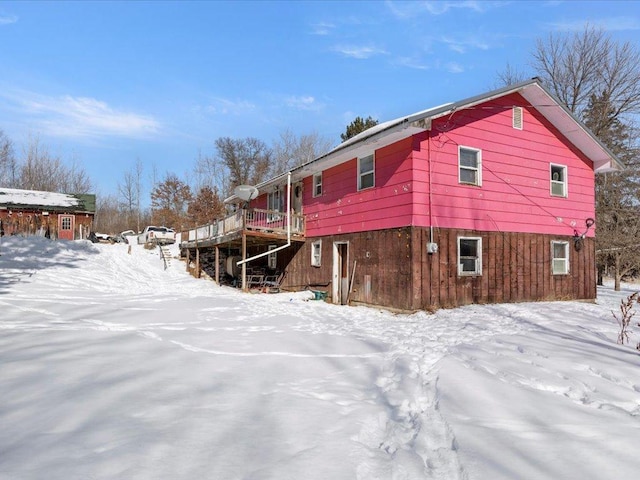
pixel 113 368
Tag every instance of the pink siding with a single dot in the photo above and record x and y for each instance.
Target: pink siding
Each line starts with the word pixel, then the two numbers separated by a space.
pixel 515 192
pixel 514 195
pixel 344 209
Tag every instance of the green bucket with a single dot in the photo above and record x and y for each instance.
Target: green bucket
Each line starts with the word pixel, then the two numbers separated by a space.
pixel 319 295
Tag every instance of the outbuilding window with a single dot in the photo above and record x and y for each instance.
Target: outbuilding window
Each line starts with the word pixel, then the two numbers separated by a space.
pixel 469 256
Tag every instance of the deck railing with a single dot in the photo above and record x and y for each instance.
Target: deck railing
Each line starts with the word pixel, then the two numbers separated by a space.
pixel 270 221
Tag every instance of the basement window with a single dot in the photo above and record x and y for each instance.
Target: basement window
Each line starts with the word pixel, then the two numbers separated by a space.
pixel 560 255
pixel 470 166
pixel 272 258
pixel 469 256
pixel 366 168
pixel 316 253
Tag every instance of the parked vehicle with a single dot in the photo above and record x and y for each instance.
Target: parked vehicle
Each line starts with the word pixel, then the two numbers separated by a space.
pixel 157 235
pixel 126 236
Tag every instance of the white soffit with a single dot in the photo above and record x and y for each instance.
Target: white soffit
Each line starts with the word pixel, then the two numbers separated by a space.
pixel 568 127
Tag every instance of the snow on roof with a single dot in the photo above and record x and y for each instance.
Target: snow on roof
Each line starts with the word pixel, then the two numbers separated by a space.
pixel 384 125
pixel 12 196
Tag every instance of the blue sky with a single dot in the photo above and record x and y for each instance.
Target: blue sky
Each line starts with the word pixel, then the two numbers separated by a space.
pixel 107 83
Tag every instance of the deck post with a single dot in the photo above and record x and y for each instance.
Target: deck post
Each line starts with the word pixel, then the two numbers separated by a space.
pixel 217 265
pixel 188 258
pixel 244 265
pixel 198 263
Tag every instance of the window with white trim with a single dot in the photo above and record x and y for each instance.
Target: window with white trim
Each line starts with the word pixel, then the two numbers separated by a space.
pixel 469 256
pixel 366 168
pixel 469 166
pixel 558 177
pixel 272 258
pixel 317 184
pixel 316 253
pixel 560 255
pixel 273 204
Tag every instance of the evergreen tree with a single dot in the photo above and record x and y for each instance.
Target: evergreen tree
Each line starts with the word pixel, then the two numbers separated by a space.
pixel 359 125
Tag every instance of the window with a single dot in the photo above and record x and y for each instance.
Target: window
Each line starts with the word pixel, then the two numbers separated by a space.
pixel 366 166
pixel 470 163
pixel 560 254
pixel 469 256
pixel 558 180
pixel 517 118
pixel 273 203
pixel 316 253
pixel 317 184
pixel 66 223
pixel 272 258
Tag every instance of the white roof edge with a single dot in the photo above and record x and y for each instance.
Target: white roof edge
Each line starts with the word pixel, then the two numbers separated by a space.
pixel 586 138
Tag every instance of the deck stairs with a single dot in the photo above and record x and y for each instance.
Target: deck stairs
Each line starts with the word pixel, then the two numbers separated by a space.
pixel 165 255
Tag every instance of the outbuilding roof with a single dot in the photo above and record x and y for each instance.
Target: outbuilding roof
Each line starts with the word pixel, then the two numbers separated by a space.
pixel 11 198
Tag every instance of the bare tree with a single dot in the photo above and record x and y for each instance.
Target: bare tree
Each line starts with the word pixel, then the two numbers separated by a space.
pixel 8 164
pixel 128 195
pixel 205 206
pixel 291 150
pixel 210 171
pixel 511 75
pixel 590 63
pixel 107 218
pixel 40 170
pixel 169 201
pixel 247 161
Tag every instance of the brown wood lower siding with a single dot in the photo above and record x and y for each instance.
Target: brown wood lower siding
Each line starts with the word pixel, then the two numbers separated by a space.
pixel 394 269
pixel 27 222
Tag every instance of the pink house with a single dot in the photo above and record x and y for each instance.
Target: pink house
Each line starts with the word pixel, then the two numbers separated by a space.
pixel 489 199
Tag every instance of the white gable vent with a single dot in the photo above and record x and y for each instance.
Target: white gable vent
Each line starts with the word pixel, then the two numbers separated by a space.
pixel 517 118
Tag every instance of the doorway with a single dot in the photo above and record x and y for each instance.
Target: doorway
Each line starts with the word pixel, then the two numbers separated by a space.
pixel 340 289
pixel 66 226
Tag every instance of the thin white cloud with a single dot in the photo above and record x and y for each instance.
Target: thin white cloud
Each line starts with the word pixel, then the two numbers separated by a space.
pixel 439 8
pixel 460 45
pixel 358 51
pixel 224 106
pixel 404 10
pixel 69 116
pixel 454 67
pixel 305 102
pixel 410 62
pixel 322 28
pixel 8 19
pixel 611 24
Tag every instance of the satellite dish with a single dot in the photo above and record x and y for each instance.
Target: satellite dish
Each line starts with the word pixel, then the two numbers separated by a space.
pixel 245 192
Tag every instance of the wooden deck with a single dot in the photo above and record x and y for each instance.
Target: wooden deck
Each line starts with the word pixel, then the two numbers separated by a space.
pixel 255 223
